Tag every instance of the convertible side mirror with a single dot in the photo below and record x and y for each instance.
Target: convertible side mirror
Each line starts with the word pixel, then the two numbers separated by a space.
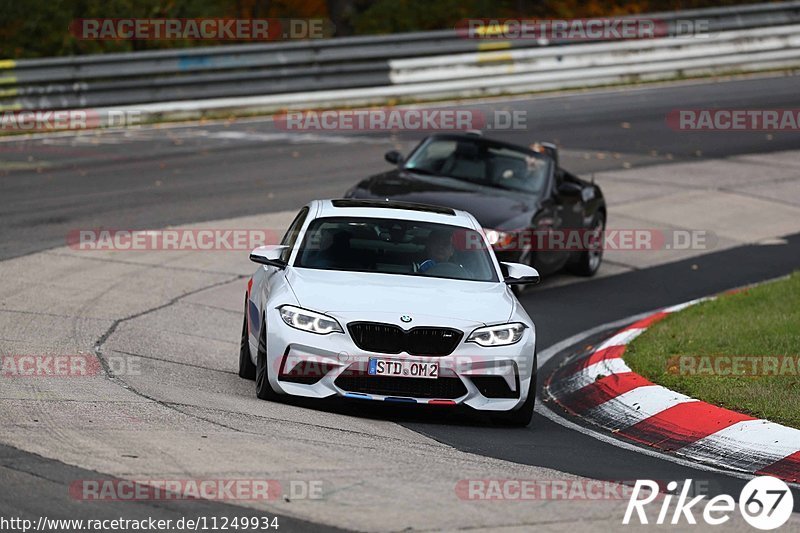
pixel 394 157
pixel 269 255
pixel 569 189
pixel 519 274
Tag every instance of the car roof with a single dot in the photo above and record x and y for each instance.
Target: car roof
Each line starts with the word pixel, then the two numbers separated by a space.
pixel 353 207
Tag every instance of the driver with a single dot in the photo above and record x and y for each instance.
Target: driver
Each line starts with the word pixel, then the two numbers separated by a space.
pixel 438 249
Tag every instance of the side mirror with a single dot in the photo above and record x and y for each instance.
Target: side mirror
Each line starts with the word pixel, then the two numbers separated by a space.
pixel 569 189
pixel 394 157
pixel 269 255
pixel 519 274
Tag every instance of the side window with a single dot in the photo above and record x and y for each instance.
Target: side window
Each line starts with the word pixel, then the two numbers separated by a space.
pixel 291 234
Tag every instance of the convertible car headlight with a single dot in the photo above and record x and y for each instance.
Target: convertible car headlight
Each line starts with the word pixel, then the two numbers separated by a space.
pixel 310 321
pixel 501 335
pixel 499 239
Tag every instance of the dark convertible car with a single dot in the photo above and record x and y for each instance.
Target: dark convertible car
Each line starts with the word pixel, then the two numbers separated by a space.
pixel 532 210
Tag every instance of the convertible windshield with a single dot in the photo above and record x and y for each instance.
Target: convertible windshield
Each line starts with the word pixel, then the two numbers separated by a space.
pixel 389 246
pixel 478 161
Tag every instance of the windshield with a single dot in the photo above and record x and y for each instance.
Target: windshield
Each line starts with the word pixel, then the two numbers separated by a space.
pixel 402 247
pixel 480 162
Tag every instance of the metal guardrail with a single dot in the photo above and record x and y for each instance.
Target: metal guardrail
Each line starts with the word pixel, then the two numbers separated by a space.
pixel 746 36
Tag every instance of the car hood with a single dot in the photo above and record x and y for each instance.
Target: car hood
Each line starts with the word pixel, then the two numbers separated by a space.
pixel 387 297
pixel 492 207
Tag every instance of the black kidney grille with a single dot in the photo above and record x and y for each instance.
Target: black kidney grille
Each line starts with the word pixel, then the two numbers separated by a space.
pixel 388 338
pixel 375 337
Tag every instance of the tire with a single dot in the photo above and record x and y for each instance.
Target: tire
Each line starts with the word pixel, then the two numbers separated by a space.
pixel 247 369
pixel 264 390
pixel 519 417
pixel 589 261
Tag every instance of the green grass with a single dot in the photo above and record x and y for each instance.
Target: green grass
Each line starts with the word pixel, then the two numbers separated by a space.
pixel 760 321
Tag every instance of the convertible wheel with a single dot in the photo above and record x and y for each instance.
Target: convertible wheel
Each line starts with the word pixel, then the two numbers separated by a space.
pixel 520 417
pixel 589 261
pixel 247 369
pixel 263 388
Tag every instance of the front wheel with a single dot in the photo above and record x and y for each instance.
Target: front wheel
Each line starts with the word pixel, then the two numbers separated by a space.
pixel 520 417
pixel 264 390
pixel 247 369
pixel 588 262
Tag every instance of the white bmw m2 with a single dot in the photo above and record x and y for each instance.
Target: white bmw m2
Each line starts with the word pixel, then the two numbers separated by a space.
pixel 388 301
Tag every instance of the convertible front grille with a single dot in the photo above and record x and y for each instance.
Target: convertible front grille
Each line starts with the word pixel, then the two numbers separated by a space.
pixel 388 338
pixel 445 388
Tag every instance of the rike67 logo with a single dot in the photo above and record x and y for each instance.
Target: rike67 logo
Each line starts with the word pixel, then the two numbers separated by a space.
pixel 765 503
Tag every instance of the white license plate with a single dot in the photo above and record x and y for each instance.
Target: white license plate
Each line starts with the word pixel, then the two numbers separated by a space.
pixel 403 369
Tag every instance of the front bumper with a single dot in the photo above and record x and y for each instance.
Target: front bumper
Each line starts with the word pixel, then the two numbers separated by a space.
pixel 317 366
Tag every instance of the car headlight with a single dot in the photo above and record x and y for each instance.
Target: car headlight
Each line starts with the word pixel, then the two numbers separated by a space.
pixel 501 335
pixel 310 321
pixel 499 239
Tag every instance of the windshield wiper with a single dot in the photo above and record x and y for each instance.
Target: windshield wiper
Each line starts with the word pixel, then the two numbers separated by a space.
pixel 421 171
pixel 505 187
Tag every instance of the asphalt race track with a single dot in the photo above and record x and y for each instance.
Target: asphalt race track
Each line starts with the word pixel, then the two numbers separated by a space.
pixel 189 174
